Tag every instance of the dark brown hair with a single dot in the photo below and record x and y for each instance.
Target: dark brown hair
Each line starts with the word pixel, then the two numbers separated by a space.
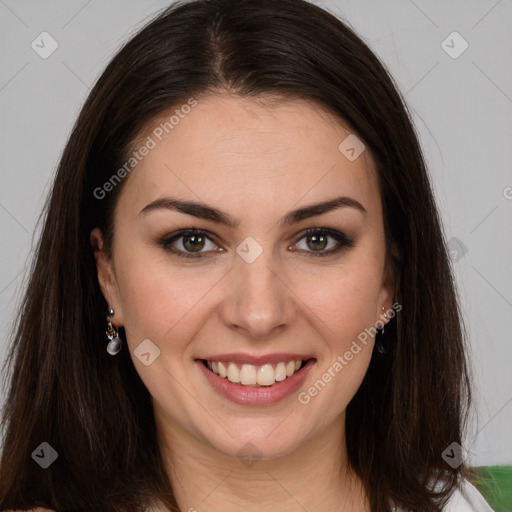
pixel 93 409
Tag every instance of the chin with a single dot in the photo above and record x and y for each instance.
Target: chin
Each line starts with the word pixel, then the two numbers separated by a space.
pixel 265 438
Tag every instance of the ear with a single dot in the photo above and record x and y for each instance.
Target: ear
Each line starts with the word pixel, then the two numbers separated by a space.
pixel 388 288
pixel 106 276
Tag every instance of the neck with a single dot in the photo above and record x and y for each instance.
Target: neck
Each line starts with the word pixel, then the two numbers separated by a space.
pixel 314 476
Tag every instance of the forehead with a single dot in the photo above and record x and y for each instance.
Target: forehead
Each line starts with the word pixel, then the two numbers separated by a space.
pixel 250 153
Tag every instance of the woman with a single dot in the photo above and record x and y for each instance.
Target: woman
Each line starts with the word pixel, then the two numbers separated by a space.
pixel 241 298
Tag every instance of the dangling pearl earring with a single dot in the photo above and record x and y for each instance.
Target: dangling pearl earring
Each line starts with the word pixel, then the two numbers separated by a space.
pixel 115 343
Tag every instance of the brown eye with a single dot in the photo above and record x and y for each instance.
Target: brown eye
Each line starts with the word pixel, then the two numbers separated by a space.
pixel 317 240
pixel 193 242
pixel 187 244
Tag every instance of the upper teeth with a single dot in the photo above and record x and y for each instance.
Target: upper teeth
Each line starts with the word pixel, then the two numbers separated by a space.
pixel 251 375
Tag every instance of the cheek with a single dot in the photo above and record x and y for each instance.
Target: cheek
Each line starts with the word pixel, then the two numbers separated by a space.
pixel 161 300
pixel 344 298
pixel 146 292
pixel 344 314
pixel 345 318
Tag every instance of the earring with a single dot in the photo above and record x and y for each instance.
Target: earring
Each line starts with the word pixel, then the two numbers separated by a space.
pixel 385 316
pixel 380 342
pixel 114 344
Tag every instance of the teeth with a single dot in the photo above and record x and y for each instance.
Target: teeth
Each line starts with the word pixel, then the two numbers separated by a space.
pixel 250 375
pixel 266 375
pixel 280 372
pixel 233 373
pixel 223 371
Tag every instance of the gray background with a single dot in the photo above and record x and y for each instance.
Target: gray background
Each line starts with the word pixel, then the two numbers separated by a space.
pixel 461 107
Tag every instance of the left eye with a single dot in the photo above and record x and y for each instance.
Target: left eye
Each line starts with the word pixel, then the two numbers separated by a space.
pixel 319 241
pixel 193 241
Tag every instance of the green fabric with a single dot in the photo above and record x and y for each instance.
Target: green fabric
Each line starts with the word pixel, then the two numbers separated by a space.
pixel 495 484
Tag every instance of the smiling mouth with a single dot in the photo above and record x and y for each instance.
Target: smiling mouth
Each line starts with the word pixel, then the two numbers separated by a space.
pixel 255 376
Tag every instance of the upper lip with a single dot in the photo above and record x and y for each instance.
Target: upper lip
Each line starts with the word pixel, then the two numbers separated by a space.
pixel 258 360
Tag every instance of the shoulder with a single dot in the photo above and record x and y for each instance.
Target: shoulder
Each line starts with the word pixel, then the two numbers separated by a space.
pixel 466 498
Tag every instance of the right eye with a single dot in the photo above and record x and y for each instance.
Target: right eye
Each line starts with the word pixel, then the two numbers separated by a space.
pixel 192 240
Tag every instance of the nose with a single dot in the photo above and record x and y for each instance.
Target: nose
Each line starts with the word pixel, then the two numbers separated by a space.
pixel 258 301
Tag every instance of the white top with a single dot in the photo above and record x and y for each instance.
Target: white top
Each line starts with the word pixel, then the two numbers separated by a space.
pixel 466 498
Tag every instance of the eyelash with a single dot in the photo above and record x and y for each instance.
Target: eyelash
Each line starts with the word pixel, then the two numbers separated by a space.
pixel 341 238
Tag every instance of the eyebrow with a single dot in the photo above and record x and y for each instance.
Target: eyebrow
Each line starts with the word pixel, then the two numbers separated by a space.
pixel 210 213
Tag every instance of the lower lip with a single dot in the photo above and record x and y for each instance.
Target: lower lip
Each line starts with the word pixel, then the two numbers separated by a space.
pixel 264 395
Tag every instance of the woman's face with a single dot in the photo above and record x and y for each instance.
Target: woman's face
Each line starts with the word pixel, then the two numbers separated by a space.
pixel 260 293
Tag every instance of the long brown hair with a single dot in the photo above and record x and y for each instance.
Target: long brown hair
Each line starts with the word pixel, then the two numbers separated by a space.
pixel 93 409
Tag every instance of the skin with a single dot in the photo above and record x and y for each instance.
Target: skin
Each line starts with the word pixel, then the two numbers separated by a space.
pixel 255 161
